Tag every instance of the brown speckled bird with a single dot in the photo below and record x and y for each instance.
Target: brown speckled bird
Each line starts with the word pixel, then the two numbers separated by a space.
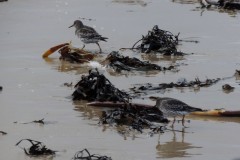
pixel 87 34
pixel 171 107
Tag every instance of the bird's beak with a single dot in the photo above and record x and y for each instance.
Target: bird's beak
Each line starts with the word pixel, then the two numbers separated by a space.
pixel 71 26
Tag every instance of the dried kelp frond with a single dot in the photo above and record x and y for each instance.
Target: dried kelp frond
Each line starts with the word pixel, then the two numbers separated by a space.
pixel 85 155
pixel 119 63
pixel 135 117
pixel 37 148
pixel 75 55
pixel 159 41
pixel 96 87
pixel 146 88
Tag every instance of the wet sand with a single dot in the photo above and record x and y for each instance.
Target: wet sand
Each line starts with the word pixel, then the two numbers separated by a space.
pixel 33 87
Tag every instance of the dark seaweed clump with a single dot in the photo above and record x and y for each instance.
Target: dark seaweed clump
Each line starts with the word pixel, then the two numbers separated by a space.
pixel 158 40
pixel 146 88
pixel 85 155
pixel 3 133
pixel 136 118
pixel 96 87
pixel 119 63
pixel 37 148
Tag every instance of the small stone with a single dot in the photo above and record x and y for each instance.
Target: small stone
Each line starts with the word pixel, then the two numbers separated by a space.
pixel 227 87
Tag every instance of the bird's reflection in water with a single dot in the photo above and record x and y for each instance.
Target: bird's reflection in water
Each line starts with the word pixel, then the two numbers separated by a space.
pixel 174 148
pixel 157 57
pixel 131 2
pixel 186 1
pixel 65 66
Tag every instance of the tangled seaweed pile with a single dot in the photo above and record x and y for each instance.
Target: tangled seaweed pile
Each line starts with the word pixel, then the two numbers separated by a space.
pixel 96 87
pixel 119 62
pixel 159 41
pixel 37 148
pixel 136 118
pixel 180 83
pixel 85 155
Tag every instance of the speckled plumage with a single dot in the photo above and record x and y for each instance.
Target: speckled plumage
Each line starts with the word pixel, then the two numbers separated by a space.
pixel 171 107
pixel 87 34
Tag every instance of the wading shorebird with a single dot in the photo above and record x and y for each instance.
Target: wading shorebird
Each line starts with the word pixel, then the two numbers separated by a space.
pixel 87 34
pixel 171 107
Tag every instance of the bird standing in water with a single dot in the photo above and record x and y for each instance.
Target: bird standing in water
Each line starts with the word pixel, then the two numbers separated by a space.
pixel 87 34
pixel 171 107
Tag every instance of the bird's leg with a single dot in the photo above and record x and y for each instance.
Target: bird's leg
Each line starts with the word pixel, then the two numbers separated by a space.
pixel 83 46
pixel 173 122
pixel 183 120
pixel 99 47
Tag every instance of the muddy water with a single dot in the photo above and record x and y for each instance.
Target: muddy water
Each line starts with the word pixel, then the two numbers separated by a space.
pixel 33 88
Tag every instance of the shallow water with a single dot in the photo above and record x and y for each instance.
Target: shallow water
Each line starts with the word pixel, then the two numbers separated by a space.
pixel 33 87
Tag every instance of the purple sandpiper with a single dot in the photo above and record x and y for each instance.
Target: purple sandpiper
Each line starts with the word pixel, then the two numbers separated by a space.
pixel 171 107
pixel 87 34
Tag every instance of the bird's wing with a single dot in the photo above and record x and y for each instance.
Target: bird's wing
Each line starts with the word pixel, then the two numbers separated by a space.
pixel 179 105
pixel 87 32
pixel 175 104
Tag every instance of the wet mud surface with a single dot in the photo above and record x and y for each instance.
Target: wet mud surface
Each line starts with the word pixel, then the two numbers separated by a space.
pixel 35 90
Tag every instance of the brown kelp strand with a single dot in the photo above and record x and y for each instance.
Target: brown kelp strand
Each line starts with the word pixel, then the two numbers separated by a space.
pixel 135 117
pixel 119 62
pixel 75 55
pixel 158 40
pixel 96 87
pixel 37 148
pixel 85 155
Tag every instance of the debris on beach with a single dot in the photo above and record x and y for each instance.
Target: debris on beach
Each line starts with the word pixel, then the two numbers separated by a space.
pixel 85 155
pixel 182 82
pixel 70 53
pixel 3 133
pixel 96 87
pixel 119 62
pixel 41 121
pixel 160 41
pixel 227 88
pixel 68 84
pixel 137 118
pixel 37 148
